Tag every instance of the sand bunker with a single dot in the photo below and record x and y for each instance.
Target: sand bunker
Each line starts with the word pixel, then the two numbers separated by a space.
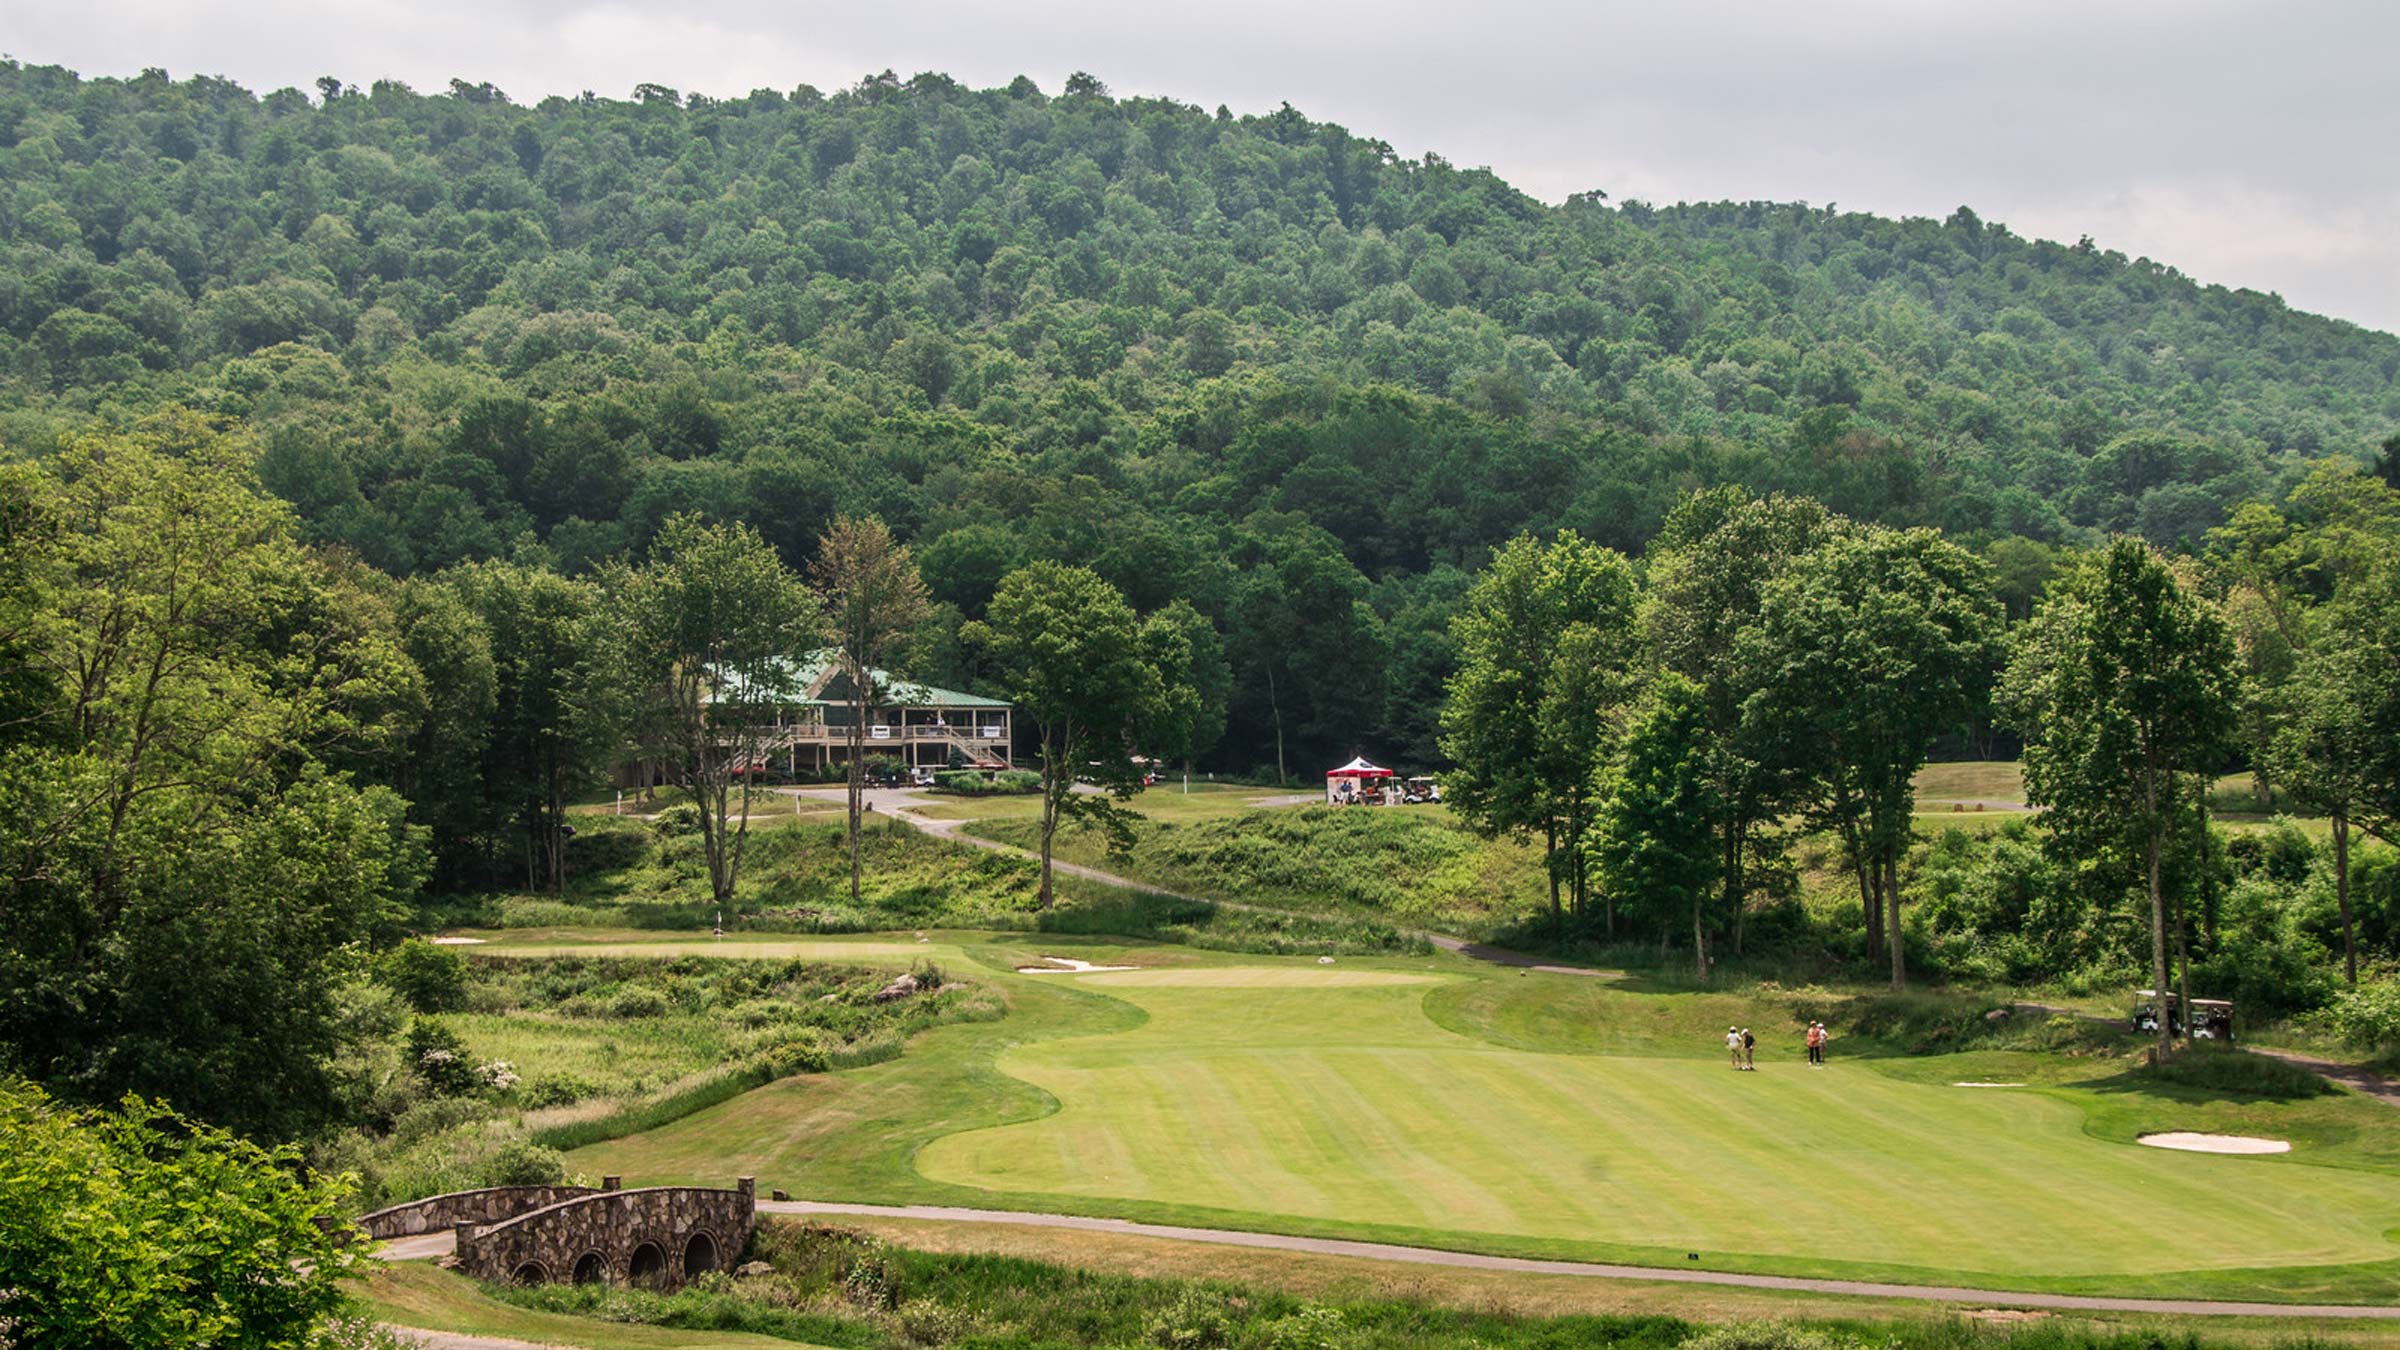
pixel 2214 1143
pixel 1067 965
pixel 1987 1085
pixel 457 942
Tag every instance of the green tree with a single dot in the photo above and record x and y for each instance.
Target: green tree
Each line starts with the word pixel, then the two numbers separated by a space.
pixel 134 1228
pixel 441 771
pixel 1068 650
pixel 1543 641
pixel 873 600
pixel 703 645
pixel 1654 845
pixel 544 741
pixel 1709 570
pixel 1194 724
pixel 1866 648
pixel 2122 685
pixel 2333 742
pixel 180 863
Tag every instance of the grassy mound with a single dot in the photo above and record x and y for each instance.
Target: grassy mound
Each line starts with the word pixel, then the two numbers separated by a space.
pixel 627 873
pixel 1407 866
pixel 2223 1070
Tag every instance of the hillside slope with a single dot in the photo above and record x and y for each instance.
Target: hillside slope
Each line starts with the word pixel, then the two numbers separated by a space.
pixel 1259 363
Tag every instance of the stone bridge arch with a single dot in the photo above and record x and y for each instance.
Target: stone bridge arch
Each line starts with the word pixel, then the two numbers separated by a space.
pixel 657 1237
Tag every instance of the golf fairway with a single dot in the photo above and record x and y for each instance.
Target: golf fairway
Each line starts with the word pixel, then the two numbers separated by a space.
pixel 1327 1094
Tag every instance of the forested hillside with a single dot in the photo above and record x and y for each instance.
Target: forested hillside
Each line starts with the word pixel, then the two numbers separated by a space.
pixel 1257 363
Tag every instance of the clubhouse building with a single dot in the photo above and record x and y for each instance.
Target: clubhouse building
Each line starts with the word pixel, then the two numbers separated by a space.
pixel 921 725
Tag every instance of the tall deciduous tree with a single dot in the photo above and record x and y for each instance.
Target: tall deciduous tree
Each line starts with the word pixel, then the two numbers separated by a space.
pixel 1708 571
pixel 1543 638
pixel 179 861
pixel 2336 739
pixel 707 636
pixel 544 742
pixel 1866 648
pixel 1195 718
pixel 873 600
pixel 2122 685
pixel 1069 651
pixel 1655 842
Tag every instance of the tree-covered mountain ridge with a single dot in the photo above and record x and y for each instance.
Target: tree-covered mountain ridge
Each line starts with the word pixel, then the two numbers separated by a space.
pixel 1006 271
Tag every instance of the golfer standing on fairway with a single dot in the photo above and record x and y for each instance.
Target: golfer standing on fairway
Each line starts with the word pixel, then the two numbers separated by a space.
pixel 1733 1045
pixel 1749 1050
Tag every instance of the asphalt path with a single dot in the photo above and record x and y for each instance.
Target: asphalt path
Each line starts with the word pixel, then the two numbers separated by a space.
pixel 434 1245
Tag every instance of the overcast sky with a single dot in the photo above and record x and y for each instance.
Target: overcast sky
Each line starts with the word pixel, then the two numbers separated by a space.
pixel 2253 144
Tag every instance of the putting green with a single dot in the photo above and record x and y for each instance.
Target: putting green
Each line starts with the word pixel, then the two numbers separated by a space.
pixel 1325 1093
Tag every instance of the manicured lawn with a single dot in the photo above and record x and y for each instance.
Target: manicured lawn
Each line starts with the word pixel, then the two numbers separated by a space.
pixel 1329 1095
pixel 1442 1103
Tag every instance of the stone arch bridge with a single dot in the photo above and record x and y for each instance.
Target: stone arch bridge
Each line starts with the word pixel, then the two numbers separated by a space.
pixel 657 1237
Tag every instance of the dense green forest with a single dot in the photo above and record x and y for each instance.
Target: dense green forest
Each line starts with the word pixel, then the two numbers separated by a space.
pixel 1258 363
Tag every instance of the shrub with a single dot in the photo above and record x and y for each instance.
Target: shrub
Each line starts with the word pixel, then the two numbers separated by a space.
pixel 556 1089
pixel 683 818
pixel 638 1001
pixel 144 1228
pixel 438 1116
pixel 1765 1336
pixel 520 1162
pixel 439 1058
pixel 1018 780
pixel 1196 1320
pixel 802 1054
pixel 2369 1016
pixel 433 979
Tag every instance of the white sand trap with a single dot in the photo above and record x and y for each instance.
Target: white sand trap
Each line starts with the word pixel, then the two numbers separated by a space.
pixel 1987 1085
pixel 458 942
pixel 1265 977
pixel 2215 1143
pixel 1068 965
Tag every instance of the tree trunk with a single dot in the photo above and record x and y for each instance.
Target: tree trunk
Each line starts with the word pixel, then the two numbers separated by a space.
pixel 2158 941
pixel 2183 973
pixel 1049 830
pixel 1699 937
pixel 1558 920
pixel 1275 708
pixel 1890 870
pixel 1733 882
pixel 1058 779
pixel 2341 891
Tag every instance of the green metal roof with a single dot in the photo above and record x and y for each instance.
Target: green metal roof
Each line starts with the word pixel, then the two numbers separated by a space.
pixel 897 692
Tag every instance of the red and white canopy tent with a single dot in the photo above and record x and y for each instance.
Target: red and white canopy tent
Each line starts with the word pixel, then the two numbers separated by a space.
pixel 1351 779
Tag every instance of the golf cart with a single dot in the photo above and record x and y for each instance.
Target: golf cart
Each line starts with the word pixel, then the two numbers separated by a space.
pixel 2212 1018
pixel 2145 1013
pixel 1421 790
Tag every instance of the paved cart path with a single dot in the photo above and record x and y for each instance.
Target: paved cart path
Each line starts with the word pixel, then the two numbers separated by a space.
pixel 437 1244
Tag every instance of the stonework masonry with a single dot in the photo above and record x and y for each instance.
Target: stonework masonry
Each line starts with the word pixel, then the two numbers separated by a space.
pixel 484 1206
pixel 658 1237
